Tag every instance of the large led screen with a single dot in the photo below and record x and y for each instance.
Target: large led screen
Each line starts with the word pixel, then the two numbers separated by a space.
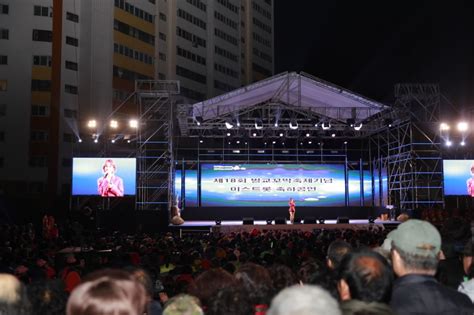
pixel 459 177
pixel 105 177
pixel 261 185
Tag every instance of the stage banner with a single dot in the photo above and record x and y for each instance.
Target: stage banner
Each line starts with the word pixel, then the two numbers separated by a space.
pixel 272 185
pixel 105 177
pixel 458 177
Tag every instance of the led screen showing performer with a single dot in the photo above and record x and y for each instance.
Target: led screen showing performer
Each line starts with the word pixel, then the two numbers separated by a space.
pixel 106 177
pixel 110 185
pixel 458 177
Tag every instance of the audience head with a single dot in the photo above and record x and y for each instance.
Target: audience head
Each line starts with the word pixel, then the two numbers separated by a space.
pixel 282 277
pixel 336 251
pixel 355 307
pixel 207 284
pixel 107 292
pixel 13 298
pixel 47 297
pixel 257 281
pixel 365 275
pixel 415 248
pixel 304 300
pixel 183 304
pixel 231 300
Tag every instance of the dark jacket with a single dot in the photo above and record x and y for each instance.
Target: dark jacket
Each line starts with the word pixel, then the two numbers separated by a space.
pixel 421 294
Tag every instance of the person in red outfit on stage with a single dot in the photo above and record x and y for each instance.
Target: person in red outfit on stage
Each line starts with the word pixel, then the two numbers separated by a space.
pixel 470 183
pixel 292 210
pixel 110 185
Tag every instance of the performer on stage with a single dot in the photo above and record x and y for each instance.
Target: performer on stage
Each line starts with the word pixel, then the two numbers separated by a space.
pixel 110 185
pixel 470 183
pixel 292 210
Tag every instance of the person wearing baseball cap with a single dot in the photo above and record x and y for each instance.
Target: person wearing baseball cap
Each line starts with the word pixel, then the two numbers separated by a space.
pixel 415 246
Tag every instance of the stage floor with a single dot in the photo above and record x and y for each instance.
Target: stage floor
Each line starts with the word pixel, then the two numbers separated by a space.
pixel 262 222
pixel 238 226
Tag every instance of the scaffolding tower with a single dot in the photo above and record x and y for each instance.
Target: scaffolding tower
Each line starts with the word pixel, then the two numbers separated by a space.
pixel 413 148
pixel 155 142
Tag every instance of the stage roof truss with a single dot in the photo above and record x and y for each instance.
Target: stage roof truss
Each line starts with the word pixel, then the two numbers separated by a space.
pixel 285 97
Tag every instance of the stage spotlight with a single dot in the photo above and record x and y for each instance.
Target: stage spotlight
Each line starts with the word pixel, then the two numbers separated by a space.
pixel 128 141
pixel 310 142
pixel 333 135
pixel 79 140
pixel 307 135
pixel 293 124
pixel 326 126
pixel 315 122
pixel 276 124
pixel 92 123
pixel 133 123
pixel 281 134
pixel 228 134
pixel 229 125
pixel 463 143
pixel 238 141
pixel 273 142
pixel 371 219
pixel 388 122
pixel 462 126
pixel 201 141
pixel 358 127
pixel 269 221
pixel 321 220
pixel 113 124
pixel 448 143
pixel 198 120
pixel 237 122
pixel 254 134
pixel 218 222
pixel 96 140
pixel 350 122
pixel 444 127
pixel 113 140
pixel 345 142
pixel 258 124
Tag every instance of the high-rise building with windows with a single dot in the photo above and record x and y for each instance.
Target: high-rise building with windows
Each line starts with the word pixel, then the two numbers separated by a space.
pixel 65 61
pixel 213 47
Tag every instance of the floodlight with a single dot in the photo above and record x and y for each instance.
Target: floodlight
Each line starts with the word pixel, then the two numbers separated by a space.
pixel 448 143
pixel 444 127
pixel 258 124
pixel 229 125
pixel 92 123
pixel 113 124
pixel 133 123
pixel 293 124
pixel 358 127
pixel 463 143
pixel 462 126
pixel 326 126
pixel 198 120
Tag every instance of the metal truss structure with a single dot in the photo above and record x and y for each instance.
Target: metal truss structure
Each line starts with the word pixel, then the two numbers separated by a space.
pixel 411 150
pixel 294 104
pixel 155 142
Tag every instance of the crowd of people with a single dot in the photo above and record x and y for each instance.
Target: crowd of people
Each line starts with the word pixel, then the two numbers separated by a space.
pixel 66 269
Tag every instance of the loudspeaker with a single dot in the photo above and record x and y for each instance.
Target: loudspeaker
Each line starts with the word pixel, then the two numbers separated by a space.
pixel 280 220
pixel 309 220
pixel 342 220
pixel 247 221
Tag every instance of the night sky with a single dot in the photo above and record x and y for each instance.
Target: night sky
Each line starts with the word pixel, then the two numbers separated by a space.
pixel 368 46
